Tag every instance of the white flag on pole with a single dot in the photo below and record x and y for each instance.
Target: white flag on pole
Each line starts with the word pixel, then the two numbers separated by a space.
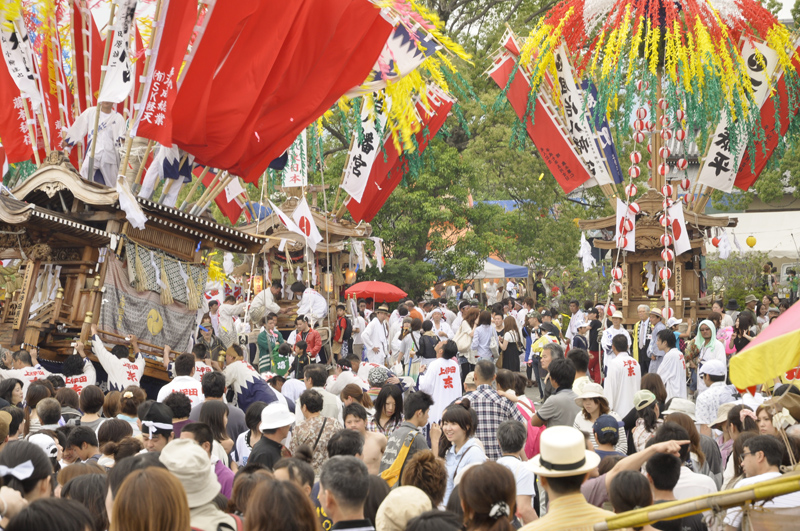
pixel 118 81
pixel 364 152
pixel 19 59
pixel 305 220
pixel 679 232
pixel 286 220
pixel 296 171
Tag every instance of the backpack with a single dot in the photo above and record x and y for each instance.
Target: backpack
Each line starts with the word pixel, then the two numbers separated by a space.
pixel 348 330
pixel 392 474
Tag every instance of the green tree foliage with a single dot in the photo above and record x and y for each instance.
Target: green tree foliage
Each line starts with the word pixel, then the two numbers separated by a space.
pixel 738 275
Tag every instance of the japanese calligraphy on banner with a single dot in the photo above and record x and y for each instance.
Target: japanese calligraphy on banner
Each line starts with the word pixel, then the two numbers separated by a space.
pixel 720 165
pixel 118 81
pixel 296 171
pixel 19 59
pixel 577 121
pixel 604 139
pixel 363 152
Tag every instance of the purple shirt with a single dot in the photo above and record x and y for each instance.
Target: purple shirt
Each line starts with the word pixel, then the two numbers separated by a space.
pixel 225 476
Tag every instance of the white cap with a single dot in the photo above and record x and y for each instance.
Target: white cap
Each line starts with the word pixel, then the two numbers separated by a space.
pixel 672 322
pixel 276 415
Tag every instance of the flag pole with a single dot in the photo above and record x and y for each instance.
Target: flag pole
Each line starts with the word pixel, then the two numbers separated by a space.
pixel 137 182
pixel 214 193
pixel 194 187
pixel 86 16
pixel 109 38
pixel 31 132
pixel 59 96
pixel 220 176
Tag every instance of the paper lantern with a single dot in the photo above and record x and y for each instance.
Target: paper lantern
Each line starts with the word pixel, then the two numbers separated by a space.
pixel 667 313
pixel 617 273
pixel 664 220
pixel 663 104
pixel 627 224
pixel 638 136
pixel 649 147
pixel 686 184
pixel 664 121
pixel 622 242
pixel 634 208
pixel 682 164
pixel 668 294
pixel 667 255
pixel 663 169
pixel 751 241
pixel 349 276
pixel 666 189
pixel 680 135
pixel 641 113
pixel 664 152
pixel 666 134
pixel 639 125
pixel 687 198
pixel 666 240
pixel 715 241
pixel 610 309
pixel 636 157
pixel 666 203
pixel 630 190
pixel 650 164
pixel 650 125
pixel 634 171
pixel 642 85
pixel 680 115
pixel 665 273
pixel 616 287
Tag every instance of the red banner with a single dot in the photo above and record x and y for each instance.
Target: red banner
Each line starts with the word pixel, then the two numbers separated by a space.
pixel 231 210
pixel 161 87
pixel 13 129
pixel 746 177
pixel 83 28
pixel 556 151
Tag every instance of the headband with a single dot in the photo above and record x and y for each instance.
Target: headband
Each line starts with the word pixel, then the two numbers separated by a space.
pixel 499 509
pixel 22 471
pixel 156 426
pixel 744 413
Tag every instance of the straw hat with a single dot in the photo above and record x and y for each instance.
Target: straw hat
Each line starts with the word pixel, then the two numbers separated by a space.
pixel 617 315
pixel 591 390
pixel 681 405
pixel 563 453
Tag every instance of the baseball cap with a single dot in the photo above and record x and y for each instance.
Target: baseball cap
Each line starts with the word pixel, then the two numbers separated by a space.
pixel 469 379
pixel 672 322
pixel 643 398
pixel 713 368
pixel 403 504
pixel 605 423
pixel 45 442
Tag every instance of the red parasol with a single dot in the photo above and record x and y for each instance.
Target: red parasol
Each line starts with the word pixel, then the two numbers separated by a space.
pixel 379 291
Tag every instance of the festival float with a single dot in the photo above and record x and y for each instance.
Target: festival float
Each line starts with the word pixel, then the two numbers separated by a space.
pixel 145 120
pixel 656 104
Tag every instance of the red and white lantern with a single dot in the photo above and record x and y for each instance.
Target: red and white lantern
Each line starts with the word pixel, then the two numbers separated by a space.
pixel 627 225
pixel 634 172
pixel 680 135
pixel 715 241
pixel 666 134
pixel 610 309
pixel 642 85
pixel 666 240
pixel 616 287
pixel 638 136
pixel 631 189
pixel 686 184
pixel 641 113
pixel 666 190
pixel 667 313
pixel 622 242
pixel 665 273
pixel 650 164
pixel 667 255
pixel 663 169
pixel 680 115
pixel 636 157
pixel 668 294
pixel 663 104
pixel 664 220
pixel 639 125
pixel 687 199
pixel 649 147
pixel 664 152
pixel 664 121
pixel 617 273
pixel 666 203
pixel 650 125
pixel 682 164
pixel 634 208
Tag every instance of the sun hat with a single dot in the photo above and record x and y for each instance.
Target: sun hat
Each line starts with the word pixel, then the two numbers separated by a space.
pixel 750 298
pixel 562 453
pixel 617 315
pixel 722 413
pixel 643 398
pixel 732 305
pixel 672 322
pixel 591 390
pixel 188 462
pixel 401 505
pixel 605 423
pixel 681 405
pixel 377 376
pixel 713 368
pixel 382 308
pixel 656 311
pixel 276 415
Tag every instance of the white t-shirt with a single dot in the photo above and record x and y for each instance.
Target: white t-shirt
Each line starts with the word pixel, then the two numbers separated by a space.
pixel 186 385
pixel 241 450
pixel 673 373
pixel 623 380
pixel 200 368
pixel 522 475
pixel 692 484
pixel 734 516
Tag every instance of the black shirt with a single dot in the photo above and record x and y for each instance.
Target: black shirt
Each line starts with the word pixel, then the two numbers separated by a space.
pixel 354 525
pixel 594 331
pixel 267 452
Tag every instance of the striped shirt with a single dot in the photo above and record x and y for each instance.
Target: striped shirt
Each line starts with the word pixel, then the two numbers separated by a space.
pixel 569 513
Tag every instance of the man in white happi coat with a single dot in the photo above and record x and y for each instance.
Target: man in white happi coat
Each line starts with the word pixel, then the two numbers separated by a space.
pixel 624 376
pixel 264 303
pixel 491 292
pixel 672 369
pixel 440 327
pixel 312 304
pixel 110 132
pixel 609 334
pixel 577 317
pixel 376 336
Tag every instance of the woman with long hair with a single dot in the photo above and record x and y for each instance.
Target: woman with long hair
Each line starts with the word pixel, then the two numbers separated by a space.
pixel 734 471
pixel 280 506
pixel 247 439
pixel 488 497
pixel 456 440
pixel 761 314
pixel 111 404
pixel 215 414
pixel 630 490
pixel 11 391
pixel 516 383
pixel 467 354
pixel 410 342
pixel 150 499
pixel 109 435
pixel 90 490
pixel 27 470
pixel 510 342
pixel 207 337
pixel 594 403
pixel 647 413
pixel 741 332
pixel 764 421
pixel 354 393
pixel 529 335
pixel 388 410
pixel 651 382
pixel 703 450
pixel 269 339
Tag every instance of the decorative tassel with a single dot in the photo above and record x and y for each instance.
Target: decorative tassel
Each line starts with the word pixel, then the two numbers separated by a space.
pixel 193 301
pixel 166 294
pixel 141 276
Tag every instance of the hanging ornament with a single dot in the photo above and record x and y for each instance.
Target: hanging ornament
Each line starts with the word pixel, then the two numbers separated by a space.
pixel 687 198
pixel 664 220
pixel 631 189
pixel 641 113
pixel 634 172
pixel 682 164
pixel 639 125
pixel 616 287
pixel 666 203
pixel 667 255
pixel 617 273
pixel 627 224
pixel 668 294
pixel 666 134
pixel 622 242
pixel 715 241
pixel 665 273
pixel 649 147
pixel 664 121
pixel 634 208
pixel 667 313
pixel 650 125
pixel 663 169
pixel 663 104
pixel 638 136
pixel 650 164
pixel 666 240
pixel 636 157
pixel 664 152
pixel 685 184
pixel 680 115
pixel 680 135
pixel 610 309
pixel 666 189
pixel 642 85
pixel 751 241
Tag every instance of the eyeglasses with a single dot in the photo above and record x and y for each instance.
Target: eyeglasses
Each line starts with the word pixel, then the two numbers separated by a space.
pixel 745 454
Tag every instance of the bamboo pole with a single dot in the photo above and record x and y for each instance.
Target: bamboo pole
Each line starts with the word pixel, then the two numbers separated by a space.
pixel 194 187
pixel 212 185
pixel 59 95
pixel 87 66
pixel 144 343
pixel 135 112
pixel 109 39
pixel 137 182
pixel 213 195
pixel 31 131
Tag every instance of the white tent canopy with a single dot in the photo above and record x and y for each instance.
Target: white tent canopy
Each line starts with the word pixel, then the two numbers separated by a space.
pixel 773 231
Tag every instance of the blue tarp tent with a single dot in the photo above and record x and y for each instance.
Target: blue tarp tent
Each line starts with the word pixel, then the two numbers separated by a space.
pixel 493 268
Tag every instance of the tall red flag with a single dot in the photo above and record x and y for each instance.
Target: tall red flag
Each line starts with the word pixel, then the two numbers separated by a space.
pixel 13 129
pixel 161 87
pixel 83 27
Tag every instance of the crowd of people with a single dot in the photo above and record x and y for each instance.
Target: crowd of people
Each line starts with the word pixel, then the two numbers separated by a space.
pixel 290 436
